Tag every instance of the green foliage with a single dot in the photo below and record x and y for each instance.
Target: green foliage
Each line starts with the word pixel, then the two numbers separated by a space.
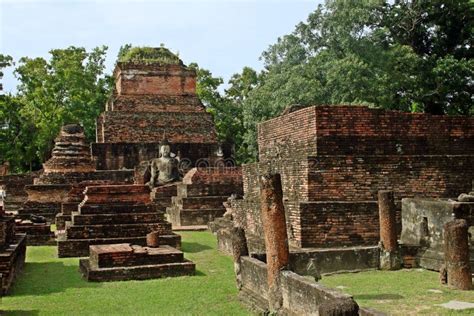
pixel 160 55
pixel 54 286
pixel 70 87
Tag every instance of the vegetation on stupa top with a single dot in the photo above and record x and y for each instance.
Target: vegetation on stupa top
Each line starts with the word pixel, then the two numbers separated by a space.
pixel 148 55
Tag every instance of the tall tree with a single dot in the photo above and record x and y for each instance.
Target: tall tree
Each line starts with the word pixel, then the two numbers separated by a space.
pixel 406 55
pixel 70 87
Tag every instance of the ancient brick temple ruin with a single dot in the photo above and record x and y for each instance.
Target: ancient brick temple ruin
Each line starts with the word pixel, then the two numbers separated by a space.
pixel 69 165
pixel 333 161
pixel 422 236
pixel 12 251
pixel 152 101
pixel 201 195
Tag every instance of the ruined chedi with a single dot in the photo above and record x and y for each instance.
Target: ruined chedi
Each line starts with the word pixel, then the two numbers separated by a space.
pixel 69 164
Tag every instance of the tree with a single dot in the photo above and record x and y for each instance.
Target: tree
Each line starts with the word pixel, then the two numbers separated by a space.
pixel 70 87
pixel 406 55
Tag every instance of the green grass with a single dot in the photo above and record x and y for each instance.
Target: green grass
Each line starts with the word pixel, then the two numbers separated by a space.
pixel 52 286
pixel 403 292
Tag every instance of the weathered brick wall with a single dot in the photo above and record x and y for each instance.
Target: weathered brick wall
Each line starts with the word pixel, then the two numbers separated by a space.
pixel 153 79
pixel 289 135
pixel 14 185
pixel 155 103
pixel 332 223
pixel 349 178
pixel 358 130
pixel 340 156
pixel 144 127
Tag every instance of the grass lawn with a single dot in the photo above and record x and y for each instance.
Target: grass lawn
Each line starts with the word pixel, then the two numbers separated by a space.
pixel 52 286
pixel 403 292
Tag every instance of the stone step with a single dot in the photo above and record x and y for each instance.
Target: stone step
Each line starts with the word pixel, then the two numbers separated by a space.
pixel 117 189
pixel 122 218
pixel 199 216
pixel 80 247
pixel 189 190
pixel 115 231
pixel 117 194
pixel 126 255
pixel 204 202
pixel 117 208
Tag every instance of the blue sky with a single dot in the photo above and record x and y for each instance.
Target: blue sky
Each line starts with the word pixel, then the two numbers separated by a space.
pixel 222 36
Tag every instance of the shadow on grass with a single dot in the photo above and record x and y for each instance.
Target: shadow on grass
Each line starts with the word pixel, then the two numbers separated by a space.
pixel 40 278
pixel 378 297
pixel 199 273
pixel 193 247
pixel 19 313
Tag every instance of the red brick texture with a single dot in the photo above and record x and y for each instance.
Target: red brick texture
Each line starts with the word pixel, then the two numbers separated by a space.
pixel 335 154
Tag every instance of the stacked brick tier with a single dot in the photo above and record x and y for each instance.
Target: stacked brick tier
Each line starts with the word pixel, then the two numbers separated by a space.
pixel 334 159
pixel 152 101
pixel 70 153
pixel 201 196
pixel 121 262
pixel 12 252
pixel 113 214
pixel 74 197
pixel 14 187
pixel 69 165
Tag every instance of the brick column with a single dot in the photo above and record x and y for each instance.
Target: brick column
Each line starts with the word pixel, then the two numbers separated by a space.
pixel 388 230
pixel 389 257
pixel 457 254
pixel 239 249
pixel 276 238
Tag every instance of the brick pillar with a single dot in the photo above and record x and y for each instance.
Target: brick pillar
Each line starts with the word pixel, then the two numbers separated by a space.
pixel 239 249
pixel 276 238
pixel 389 255
pixel 457 254
pixel 388 230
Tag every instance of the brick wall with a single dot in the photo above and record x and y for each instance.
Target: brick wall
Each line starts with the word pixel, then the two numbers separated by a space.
pixel 154 103
pixel 140 79
pixel 334 159
pixel 348 178
pixel 149 127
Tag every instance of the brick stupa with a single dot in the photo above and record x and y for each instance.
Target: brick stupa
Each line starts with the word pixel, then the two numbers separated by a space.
pixel 153 100
pixel 69 164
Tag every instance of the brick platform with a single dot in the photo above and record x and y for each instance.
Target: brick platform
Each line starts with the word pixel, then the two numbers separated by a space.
pixel 199 198
pixel 334 159
pixel 126 262
pixel 112 214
